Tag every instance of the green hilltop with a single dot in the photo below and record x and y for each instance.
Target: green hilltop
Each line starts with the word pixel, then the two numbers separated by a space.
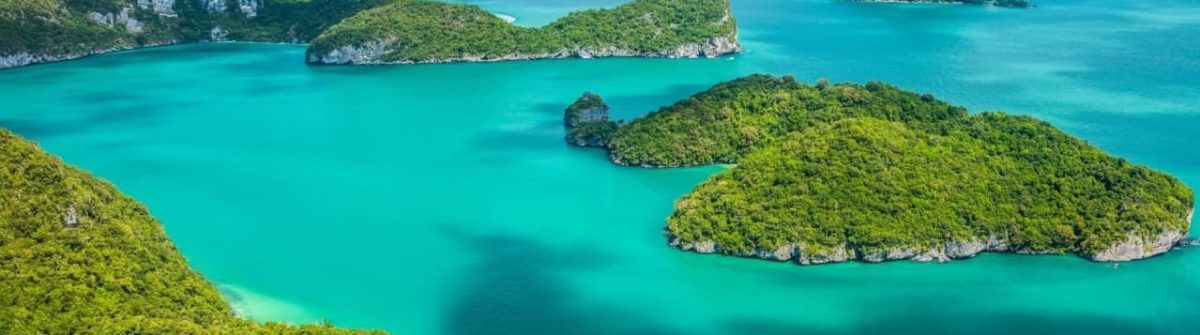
pixel 79 257
pixel 417 31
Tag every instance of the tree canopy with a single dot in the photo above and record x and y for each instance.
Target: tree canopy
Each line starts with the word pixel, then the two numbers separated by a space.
pixel 79 257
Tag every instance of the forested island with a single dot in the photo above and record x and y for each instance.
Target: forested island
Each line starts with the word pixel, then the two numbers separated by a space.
pixel 996 3
pixel 79 257
pixel 836 172
pixel 432 32
pixel 370 31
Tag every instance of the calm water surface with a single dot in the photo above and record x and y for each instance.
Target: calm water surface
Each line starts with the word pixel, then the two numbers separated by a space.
pixel 441 199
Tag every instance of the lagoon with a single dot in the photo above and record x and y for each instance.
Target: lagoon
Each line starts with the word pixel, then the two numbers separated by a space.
pixel 441 199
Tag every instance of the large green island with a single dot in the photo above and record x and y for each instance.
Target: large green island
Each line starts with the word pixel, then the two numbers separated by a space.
pixel 79 257
pixel 829 173
pixel 432 32
pixel 361 31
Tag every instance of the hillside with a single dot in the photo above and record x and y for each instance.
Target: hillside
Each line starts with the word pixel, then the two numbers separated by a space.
pixel 835 172
pixel 416 31
pixel 78 257
pixel 37 31
pixel 721 124
pixel 874 190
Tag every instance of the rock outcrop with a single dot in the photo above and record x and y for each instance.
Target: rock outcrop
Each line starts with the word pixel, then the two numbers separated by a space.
pixel 161 7
pixel 1134 247
pixel 1137 247
pixel 123 18
pixel 587 123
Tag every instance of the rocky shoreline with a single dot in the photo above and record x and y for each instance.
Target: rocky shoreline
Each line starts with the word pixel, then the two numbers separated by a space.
pixel 25 59
pixel 1133 248
pixel 372 53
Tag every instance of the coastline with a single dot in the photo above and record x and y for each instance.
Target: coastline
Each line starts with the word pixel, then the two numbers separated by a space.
pixel 44 59
pixel 1135 247
pixel 371 53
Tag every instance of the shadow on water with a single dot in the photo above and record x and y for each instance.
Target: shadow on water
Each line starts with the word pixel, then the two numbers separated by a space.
pixel 135 114
pixel 518 289
pixel 951 323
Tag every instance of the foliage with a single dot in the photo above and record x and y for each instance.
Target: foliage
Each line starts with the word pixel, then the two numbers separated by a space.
pixel 62 28
pixel 78 257
pixel 878 185
pixel 419 31
pixel 276 21
pixel 876 168
pixel 592 134
pixel 724 123
pixel 587 121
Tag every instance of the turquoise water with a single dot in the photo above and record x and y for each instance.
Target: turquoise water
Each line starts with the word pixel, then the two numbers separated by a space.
pixel 441 199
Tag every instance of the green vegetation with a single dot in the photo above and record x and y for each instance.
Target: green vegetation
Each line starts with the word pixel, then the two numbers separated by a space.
pixel 414 31
pixel 294 21
pixel 879 186
pixel 78 257
pixel 722 124
pixel 874 170
pixel 61 29
pixel 408 30
pixel 587 121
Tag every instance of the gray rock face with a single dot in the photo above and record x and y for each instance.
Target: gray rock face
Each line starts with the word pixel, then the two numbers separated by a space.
pixel 1139 247
pixel 368 53
pixel 71 219
pixel 123 18
pixel 249 7
pixel 218 34
pixel 1133 248
pixel 586 111
pixel 213 6
pixel 162 7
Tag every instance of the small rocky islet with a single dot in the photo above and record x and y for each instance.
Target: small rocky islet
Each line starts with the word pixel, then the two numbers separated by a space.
pixel 836 172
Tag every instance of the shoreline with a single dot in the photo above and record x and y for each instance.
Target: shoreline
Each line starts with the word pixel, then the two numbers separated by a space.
pixel 1133 248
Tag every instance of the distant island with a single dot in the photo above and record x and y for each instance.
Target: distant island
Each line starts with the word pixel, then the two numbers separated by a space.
pixel 996 3
pixel 837 172
pixel 39 31
pixel 406 32
pixel 79 257
pixel 362 31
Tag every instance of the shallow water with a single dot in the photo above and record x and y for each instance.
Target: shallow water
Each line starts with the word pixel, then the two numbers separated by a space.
pixel 441 199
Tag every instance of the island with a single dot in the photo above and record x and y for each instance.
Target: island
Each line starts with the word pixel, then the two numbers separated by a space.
pixel 838 172
pixel 587 121
pixel 39 31
pixel 994 3
pixel 79 257
pixel 414 31
pixel 362 31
